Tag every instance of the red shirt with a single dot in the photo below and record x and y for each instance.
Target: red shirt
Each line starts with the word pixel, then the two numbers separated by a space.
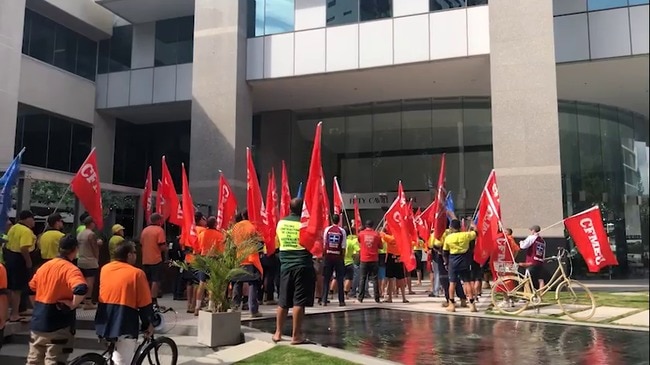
pixel 370 244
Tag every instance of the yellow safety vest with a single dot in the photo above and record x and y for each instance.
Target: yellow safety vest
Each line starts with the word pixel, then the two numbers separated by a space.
pixel 288 233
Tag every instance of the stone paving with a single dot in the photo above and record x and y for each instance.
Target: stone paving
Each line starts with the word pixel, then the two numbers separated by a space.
pixel 638 319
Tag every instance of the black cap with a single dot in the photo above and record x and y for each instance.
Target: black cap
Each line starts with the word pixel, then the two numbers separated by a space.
pixel 68 243
pixel 25 214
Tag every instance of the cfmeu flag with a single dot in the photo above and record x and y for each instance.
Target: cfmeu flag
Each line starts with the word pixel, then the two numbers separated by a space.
pixel 172 207
pixel 489 220
pixel 160 199
pixel 588 233
pixel 85 185
pixel 189 237
pixel 337 198
pixel 285 194
pixel 271 208
pixel 399 221
pixel 227 204
pixel 255 204
pixel 358 225
pixel 312 219
pixel 147 196
pixel 440 220
pixel 7 182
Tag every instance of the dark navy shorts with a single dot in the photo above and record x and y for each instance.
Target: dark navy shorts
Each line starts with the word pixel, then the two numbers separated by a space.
pixel 459 269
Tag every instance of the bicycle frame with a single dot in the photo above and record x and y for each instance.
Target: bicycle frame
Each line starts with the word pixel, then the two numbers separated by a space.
pixel 527 290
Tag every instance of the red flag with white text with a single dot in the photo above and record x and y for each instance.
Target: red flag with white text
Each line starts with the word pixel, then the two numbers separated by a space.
pixel 285 194
pixel 172 207
pixel 489 220
pixel 421 226
pixel 357 216
pixel 86 186
pixel 160 200
pixel 590 238
pixel 147 196
pixel 440 210
pixel 227 207
pixel 401 226
pixel 312 219
pixel 271 208
pixel 189 237
pixel 337 198
pixel 255 203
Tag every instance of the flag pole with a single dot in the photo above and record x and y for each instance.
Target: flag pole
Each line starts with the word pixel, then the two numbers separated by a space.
pixel 345 212
pixel 56 207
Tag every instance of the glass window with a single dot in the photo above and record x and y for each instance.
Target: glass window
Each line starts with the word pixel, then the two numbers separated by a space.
pixel 35 139
pixel 27 29
pixel 358 136
pixel 356 175
pixel 279 16
pixel 41 44
pixel 375 9
pixel 386 172
pixel 60 138
pixel 86 57
pixel 342 12
pixel 639 2
pixel 417 171
pixel 257 16
pixel 476 2
pixel 436 5
pixel 605 4
pixel 477 122
pixel 447 122
pixel 82 137
pixel 416 124
pixel 174 41
pixel 103 55
pixel 18 141
pixel 387 128
pixel 57 45
pixel 120 49
pixel 65 49
pixel 477 167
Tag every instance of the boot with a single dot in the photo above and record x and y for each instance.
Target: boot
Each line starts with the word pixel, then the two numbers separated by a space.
pixel 444 304
pixel 472 307
pixel 451 307
pixel 463 303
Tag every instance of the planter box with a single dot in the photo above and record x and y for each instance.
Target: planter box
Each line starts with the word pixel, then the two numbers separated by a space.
pixel 219 329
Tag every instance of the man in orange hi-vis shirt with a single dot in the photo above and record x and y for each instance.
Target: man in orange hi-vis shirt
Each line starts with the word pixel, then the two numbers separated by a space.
pixel 210 241
pixel 152 240
pixel 195 291
pixel 242 231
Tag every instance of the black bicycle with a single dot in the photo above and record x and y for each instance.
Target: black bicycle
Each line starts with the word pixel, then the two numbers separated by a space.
pixel 151 351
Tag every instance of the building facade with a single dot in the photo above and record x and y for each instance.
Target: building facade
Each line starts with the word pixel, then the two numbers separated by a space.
pixel 552 94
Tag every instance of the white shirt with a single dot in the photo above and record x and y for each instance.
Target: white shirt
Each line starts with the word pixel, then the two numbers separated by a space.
pixel 525 244
pixel 344 238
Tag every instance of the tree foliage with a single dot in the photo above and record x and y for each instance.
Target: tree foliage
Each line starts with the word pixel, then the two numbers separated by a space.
pixel 49 193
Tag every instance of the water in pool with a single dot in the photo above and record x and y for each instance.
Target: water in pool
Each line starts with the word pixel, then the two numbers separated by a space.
pixel 422 338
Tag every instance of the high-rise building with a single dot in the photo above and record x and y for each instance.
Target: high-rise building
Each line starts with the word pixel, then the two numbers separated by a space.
pixel 552 94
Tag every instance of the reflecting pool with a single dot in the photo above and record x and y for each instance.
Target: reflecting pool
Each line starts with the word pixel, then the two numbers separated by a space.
pixel 422 338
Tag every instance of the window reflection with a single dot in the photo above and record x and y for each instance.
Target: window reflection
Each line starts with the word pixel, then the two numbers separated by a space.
pixel 341 12
pixel 59 46
pixel 115 53
pixel 270 17
pixel 174 41
pixel 436 5
pixel 605 4
pixel 51 142
pixel 375 9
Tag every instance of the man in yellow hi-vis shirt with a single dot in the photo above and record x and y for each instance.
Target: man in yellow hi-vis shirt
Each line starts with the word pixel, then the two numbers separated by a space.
pixel 455 248
pixel 442 273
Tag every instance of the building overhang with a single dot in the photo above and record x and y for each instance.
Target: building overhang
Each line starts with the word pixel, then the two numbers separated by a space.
pixel 145 11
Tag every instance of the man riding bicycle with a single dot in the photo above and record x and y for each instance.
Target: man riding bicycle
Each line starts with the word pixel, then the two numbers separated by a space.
pixel 535 247
pixel 124 302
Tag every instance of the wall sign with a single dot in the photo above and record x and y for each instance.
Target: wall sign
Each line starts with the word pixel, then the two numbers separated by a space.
pixel 377 200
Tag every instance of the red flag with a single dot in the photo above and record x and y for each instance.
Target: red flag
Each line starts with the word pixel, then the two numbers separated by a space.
pixel 440 220
pixel 275 211
pixel 255 203
pixel 401 226
pixel 588 233
pixel 421 226
pixel 502 255
pixel 160 199
pixel 172 207
pixel 85 185
pixel 227 204
pixel 410 219
pixel 489 220
pixel 285 194
pixel 147 201
pixel 337 198
pixel 271 208
pixel 312 219
pixel 189 237
pixel 357 215
pixel 326 200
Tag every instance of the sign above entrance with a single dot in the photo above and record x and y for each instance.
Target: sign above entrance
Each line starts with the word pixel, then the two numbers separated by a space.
pixel 378 200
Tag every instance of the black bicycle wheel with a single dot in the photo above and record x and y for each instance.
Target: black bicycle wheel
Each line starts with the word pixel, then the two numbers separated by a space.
pixel 160 351
pixel 89 359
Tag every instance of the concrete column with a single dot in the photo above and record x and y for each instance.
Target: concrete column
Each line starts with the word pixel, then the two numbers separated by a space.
pixel 221 99
pixel 104 142
pixel 12 18
pixel 275 144
pixel 525 128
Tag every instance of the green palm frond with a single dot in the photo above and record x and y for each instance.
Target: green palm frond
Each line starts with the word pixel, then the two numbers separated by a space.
pixel 221 268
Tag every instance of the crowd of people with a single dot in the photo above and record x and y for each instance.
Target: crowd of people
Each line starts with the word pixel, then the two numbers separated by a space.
pixel 354 258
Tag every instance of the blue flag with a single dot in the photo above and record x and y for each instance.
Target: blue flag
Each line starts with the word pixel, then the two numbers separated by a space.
pixel 449 204
pixel 299 195
pixel 7 182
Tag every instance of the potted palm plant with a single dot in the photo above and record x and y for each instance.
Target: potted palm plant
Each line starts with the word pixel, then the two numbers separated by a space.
pixel 218 325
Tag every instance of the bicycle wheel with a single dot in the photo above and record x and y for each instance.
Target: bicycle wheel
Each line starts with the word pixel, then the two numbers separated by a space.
pixel 508 295
pixel 162 350
pixel 575 300
pixel 89 359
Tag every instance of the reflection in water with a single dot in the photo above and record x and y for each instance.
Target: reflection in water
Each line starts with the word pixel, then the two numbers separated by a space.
pixel 420 338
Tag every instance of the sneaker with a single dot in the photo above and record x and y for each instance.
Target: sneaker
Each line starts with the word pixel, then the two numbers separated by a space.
pixel 256 315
